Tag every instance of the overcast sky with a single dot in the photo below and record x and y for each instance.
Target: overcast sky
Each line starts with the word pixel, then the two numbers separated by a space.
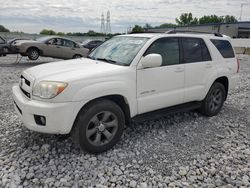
pixel 32 16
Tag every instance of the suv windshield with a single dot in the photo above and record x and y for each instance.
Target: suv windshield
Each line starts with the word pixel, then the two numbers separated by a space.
pixel 119 50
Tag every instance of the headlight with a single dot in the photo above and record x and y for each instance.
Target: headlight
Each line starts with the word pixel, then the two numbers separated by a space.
pixel 48 89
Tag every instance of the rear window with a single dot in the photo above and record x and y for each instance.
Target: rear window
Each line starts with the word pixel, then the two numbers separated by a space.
pixel 224 47
pixel 195 50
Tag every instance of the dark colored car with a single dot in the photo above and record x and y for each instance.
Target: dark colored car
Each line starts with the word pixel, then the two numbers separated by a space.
pixel 8 47
pixel 92 44
pixel 3 48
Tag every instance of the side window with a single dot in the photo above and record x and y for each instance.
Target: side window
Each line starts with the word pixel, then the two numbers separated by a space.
pixel 192 50
pixel 224 47
pixel 205 53
pixel 68 43
pixel 76 45
pixel 168 48
pixel 55 41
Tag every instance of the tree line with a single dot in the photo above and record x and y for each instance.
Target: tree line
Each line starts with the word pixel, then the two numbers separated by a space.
pixel 188 19
pixel 183 20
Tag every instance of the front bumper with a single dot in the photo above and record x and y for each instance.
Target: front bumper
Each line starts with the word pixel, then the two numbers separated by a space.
pixel 60 117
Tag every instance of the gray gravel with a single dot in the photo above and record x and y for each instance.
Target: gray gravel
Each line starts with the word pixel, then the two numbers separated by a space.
pixel 184 150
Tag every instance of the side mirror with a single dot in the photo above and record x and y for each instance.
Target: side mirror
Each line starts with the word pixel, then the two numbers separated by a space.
pixel 151 60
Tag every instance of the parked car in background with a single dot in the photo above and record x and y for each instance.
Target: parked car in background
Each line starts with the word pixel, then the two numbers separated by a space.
pixel 91 44
pixel 9 47
pixel 2 47
pixel 56 47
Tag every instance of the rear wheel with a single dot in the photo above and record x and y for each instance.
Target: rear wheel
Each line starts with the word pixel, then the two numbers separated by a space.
pixel 77 56
pixel 33 53
pixel 99 126
pixel 214 100
pixel 5 50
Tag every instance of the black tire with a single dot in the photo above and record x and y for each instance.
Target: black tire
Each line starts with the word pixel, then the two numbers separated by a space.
pixel 33 53
pixel 98 126
pixel 214 100
pixel 5 50
pixel 77 56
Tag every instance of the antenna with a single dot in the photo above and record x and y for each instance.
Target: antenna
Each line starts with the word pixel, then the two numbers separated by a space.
pixel 102 24
pixel 108 27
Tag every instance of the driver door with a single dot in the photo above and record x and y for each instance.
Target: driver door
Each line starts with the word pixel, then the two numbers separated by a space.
pixel 163 86
pixel 53 48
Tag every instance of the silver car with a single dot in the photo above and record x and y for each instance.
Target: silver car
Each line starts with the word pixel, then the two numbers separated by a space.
pixel 56 47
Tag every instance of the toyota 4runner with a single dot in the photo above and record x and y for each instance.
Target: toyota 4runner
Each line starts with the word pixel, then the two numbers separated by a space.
pixel 127 77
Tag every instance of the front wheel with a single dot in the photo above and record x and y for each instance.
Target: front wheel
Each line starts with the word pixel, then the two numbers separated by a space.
pixel 99 126
pixel 214 100
pixel 33 53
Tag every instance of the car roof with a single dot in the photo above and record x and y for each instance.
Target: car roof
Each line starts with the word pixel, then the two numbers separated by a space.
pixel 199 35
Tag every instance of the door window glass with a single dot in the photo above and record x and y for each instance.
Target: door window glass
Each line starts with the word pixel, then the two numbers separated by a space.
pixel 168 48
pixel 192 50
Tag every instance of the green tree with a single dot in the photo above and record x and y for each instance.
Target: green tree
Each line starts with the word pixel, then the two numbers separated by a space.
pixel 229 19
pixel 147 26
pixel 47 32
pixel 185 19
pixel 137 29
pixel 60 33
pixel 211 19
pixel 3 29
pixel 166 25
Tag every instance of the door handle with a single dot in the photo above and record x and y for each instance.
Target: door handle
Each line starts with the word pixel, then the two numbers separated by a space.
pixel 179 69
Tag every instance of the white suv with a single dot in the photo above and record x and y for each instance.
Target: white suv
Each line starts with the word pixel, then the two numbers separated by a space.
pixel 127 77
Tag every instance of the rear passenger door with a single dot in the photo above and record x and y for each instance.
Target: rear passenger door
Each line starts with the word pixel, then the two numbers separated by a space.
pixel 68 50
pixel 199 67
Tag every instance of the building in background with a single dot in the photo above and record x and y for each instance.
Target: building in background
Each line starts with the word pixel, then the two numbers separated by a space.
pixel 234 30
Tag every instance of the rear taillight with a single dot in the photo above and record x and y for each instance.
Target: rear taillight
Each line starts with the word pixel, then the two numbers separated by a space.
pixel 238 65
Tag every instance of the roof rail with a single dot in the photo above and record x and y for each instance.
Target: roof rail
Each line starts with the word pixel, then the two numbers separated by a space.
pixel 189 31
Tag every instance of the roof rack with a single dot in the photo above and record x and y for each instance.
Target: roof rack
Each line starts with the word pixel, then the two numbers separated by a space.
pixel 188 31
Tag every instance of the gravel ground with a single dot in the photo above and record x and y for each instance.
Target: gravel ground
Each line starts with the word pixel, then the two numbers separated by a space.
pixel 184 150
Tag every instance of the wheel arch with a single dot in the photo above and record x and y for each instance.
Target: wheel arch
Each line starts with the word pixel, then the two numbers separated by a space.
pixel 120 100
pixel 225 82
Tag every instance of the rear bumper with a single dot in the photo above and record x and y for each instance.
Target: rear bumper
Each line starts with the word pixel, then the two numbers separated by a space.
pixel 60 117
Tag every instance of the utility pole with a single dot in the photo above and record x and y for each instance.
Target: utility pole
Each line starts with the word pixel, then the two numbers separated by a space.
pixel 108 27
pixel 102 24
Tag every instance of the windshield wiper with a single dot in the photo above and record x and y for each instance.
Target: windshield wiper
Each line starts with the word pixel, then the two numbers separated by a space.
pixel 107 60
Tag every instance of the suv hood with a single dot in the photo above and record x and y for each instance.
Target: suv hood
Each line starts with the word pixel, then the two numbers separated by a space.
pixel 75 69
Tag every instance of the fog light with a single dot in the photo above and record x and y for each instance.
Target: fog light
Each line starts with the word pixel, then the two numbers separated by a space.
pixel 40 120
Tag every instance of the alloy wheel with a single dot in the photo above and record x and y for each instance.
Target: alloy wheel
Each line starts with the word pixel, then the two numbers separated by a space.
pixel 102 128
